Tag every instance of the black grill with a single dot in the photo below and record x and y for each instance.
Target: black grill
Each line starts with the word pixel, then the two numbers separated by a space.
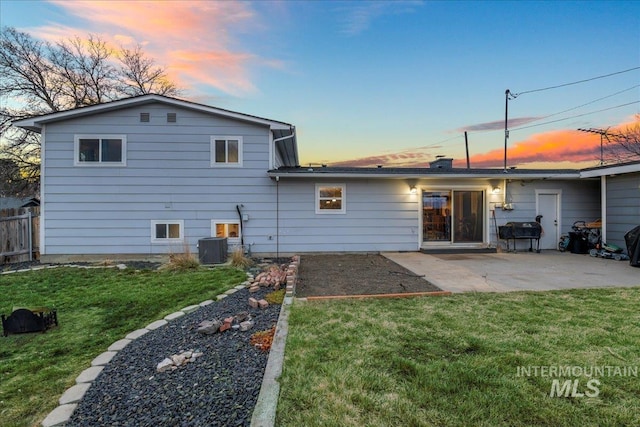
pixel 521 230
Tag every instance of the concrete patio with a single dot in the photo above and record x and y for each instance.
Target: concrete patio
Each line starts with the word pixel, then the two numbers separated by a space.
pixel 523 271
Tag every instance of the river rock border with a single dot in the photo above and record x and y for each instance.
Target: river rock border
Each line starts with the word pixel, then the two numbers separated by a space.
pixel 265 410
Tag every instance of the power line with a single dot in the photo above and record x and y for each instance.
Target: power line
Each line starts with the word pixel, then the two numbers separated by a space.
pixel 588 103
pixel 578 115
pixel 574 83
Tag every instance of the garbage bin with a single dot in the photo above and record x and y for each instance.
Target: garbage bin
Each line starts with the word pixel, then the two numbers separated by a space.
pixel 632 239
pixel 578 243
pixel 212 250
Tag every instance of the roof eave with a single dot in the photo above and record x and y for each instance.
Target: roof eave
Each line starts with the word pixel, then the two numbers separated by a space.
pixel 315 174
pixel 35 123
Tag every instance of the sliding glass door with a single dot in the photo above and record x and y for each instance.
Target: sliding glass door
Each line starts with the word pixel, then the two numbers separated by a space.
pixel 452 216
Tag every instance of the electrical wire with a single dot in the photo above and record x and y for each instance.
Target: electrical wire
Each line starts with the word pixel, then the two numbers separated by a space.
pixel 574 83
pixel 588 103
pixel 573 117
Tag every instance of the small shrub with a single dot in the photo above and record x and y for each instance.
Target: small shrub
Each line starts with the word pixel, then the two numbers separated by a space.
pixel 239 260
pixel 275 297
pixel 184 261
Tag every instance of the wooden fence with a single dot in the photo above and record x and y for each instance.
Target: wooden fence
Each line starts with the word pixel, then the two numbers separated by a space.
pixel 19 235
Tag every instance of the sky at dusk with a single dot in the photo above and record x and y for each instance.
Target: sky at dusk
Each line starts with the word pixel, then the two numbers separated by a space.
pixel 388 82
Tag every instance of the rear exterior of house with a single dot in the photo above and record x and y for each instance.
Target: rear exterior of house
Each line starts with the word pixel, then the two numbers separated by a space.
pixel 153 175
pixel 355 209
pixel 620 186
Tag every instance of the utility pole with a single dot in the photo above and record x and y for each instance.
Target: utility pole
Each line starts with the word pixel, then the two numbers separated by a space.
pixel 466 146
pixel 506 126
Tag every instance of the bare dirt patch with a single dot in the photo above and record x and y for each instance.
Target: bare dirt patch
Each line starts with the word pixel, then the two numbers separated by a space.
pixel 356 274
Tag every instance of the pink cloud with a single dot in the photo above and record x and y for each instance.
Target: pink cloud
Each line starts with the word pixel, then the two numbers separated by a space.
pixel 196 40
pixel 540 150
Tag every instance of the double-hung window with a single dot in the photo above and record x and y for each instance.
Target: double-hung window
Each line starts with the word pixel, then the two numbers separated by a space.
pixel 164 231
pixel 331 198
pixel 100 150
pixel 226 151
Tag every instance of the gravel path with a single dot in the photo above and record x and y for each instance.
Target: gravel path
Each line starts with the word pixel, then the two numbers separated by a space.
pixel 220 388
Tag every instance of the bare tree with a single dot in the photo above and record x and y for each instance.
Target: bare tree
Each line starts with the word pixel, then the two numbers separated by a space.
pixel 140 75
pixel 627 142
pixel 39 77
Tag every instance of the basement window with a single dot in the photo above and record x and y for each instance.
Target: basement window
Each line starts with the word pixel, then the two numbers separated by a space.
pixel 100 150
pixel 227 228
pixel 163 231
pixel 331 198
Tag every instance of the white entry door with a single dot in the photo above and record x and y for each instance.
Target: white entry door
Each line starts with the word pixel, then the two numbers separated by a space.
pixel 548 205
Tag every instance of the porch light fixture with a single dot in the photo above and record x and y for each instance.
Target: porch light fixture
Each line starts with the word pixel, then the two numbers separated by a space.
pixel 496 190
pixel 413 189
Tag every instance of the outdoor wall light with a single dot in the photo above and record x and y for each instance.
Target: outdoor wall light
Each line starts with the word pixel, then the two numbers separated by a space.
pixel 413 189
pixel 496 190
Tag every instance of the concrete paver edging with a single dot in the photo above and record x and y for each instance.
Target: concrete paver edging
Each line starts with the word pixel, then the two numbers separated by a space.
pixel 73 395
pixel 264 413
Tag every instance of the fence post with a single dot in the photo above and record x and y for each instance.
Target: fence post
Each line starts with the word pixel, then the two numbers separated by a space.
pixel 30 235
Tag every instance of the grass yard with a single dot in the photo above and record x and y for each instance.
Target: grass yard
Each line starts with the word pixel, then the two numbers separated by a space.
pixel 95 308
pixel 454 361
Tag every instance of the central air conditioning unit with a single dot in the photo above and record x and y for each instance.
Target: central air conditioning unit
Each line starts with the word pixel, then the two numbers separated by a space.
pixel 212 250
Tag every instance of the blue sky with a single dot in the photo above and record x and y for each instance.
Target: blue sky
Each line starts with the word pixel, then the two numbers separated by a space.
pixel 393 83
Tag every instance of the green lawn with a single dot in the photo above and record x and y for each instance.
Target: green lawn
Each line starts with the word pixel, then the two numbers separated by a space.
pixel 454 361
pixel 95 308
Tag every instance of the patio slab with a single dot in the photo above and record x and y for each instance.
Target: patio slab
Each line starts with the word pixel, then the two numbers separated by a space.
pixel 522 271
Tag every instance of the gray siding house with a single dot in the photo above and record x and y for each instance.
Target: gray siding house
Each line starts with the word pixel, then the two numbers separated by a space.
pixel 620 189
pixel 153 175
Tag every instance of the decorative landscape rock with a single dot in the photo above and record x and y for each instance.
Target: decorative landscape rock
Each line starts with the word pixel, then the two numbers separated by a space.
pixel 174 361
pixel 246 325
pixel 209 327
pixel 220 389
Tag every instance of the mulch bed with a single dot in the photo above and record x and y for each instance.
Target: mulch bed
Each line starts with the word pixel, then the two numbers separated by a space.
pixel 356 274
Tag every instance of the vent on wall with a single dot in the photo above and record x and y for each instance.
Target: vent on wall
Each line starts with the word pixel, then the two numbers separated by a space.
pixel 144 117
pixel 171 117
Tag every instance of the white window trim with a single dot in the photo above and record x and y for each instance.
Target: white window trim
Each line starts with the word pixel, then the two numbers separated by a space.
pixel 231 241
pixel 213 151
pixel 167 221
pixel 331 211
pixel 76 150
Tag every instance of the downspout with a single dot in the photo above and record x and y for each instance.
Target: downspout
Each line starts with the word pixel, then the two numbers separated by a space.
pixel 277 217
pixel 282 138
pixel 603 208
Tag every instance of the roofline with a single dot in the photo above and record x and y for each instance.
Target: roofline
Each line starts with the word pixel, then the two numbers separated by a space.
pixel 535 175
pixel 35 123
pixel 611 170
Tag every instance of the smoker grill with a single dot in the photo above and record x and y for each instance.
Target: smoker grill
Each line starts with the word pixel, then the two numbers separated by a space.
pixel 521 230
pixel 23 320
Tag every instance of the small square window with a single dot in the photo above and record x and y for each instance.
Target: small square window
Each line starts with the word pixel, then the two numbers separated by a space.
pixel 171 117
pixel 330 198
pixel 226 151
pixel 145 117
pixel 227 228
pixel 167 231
